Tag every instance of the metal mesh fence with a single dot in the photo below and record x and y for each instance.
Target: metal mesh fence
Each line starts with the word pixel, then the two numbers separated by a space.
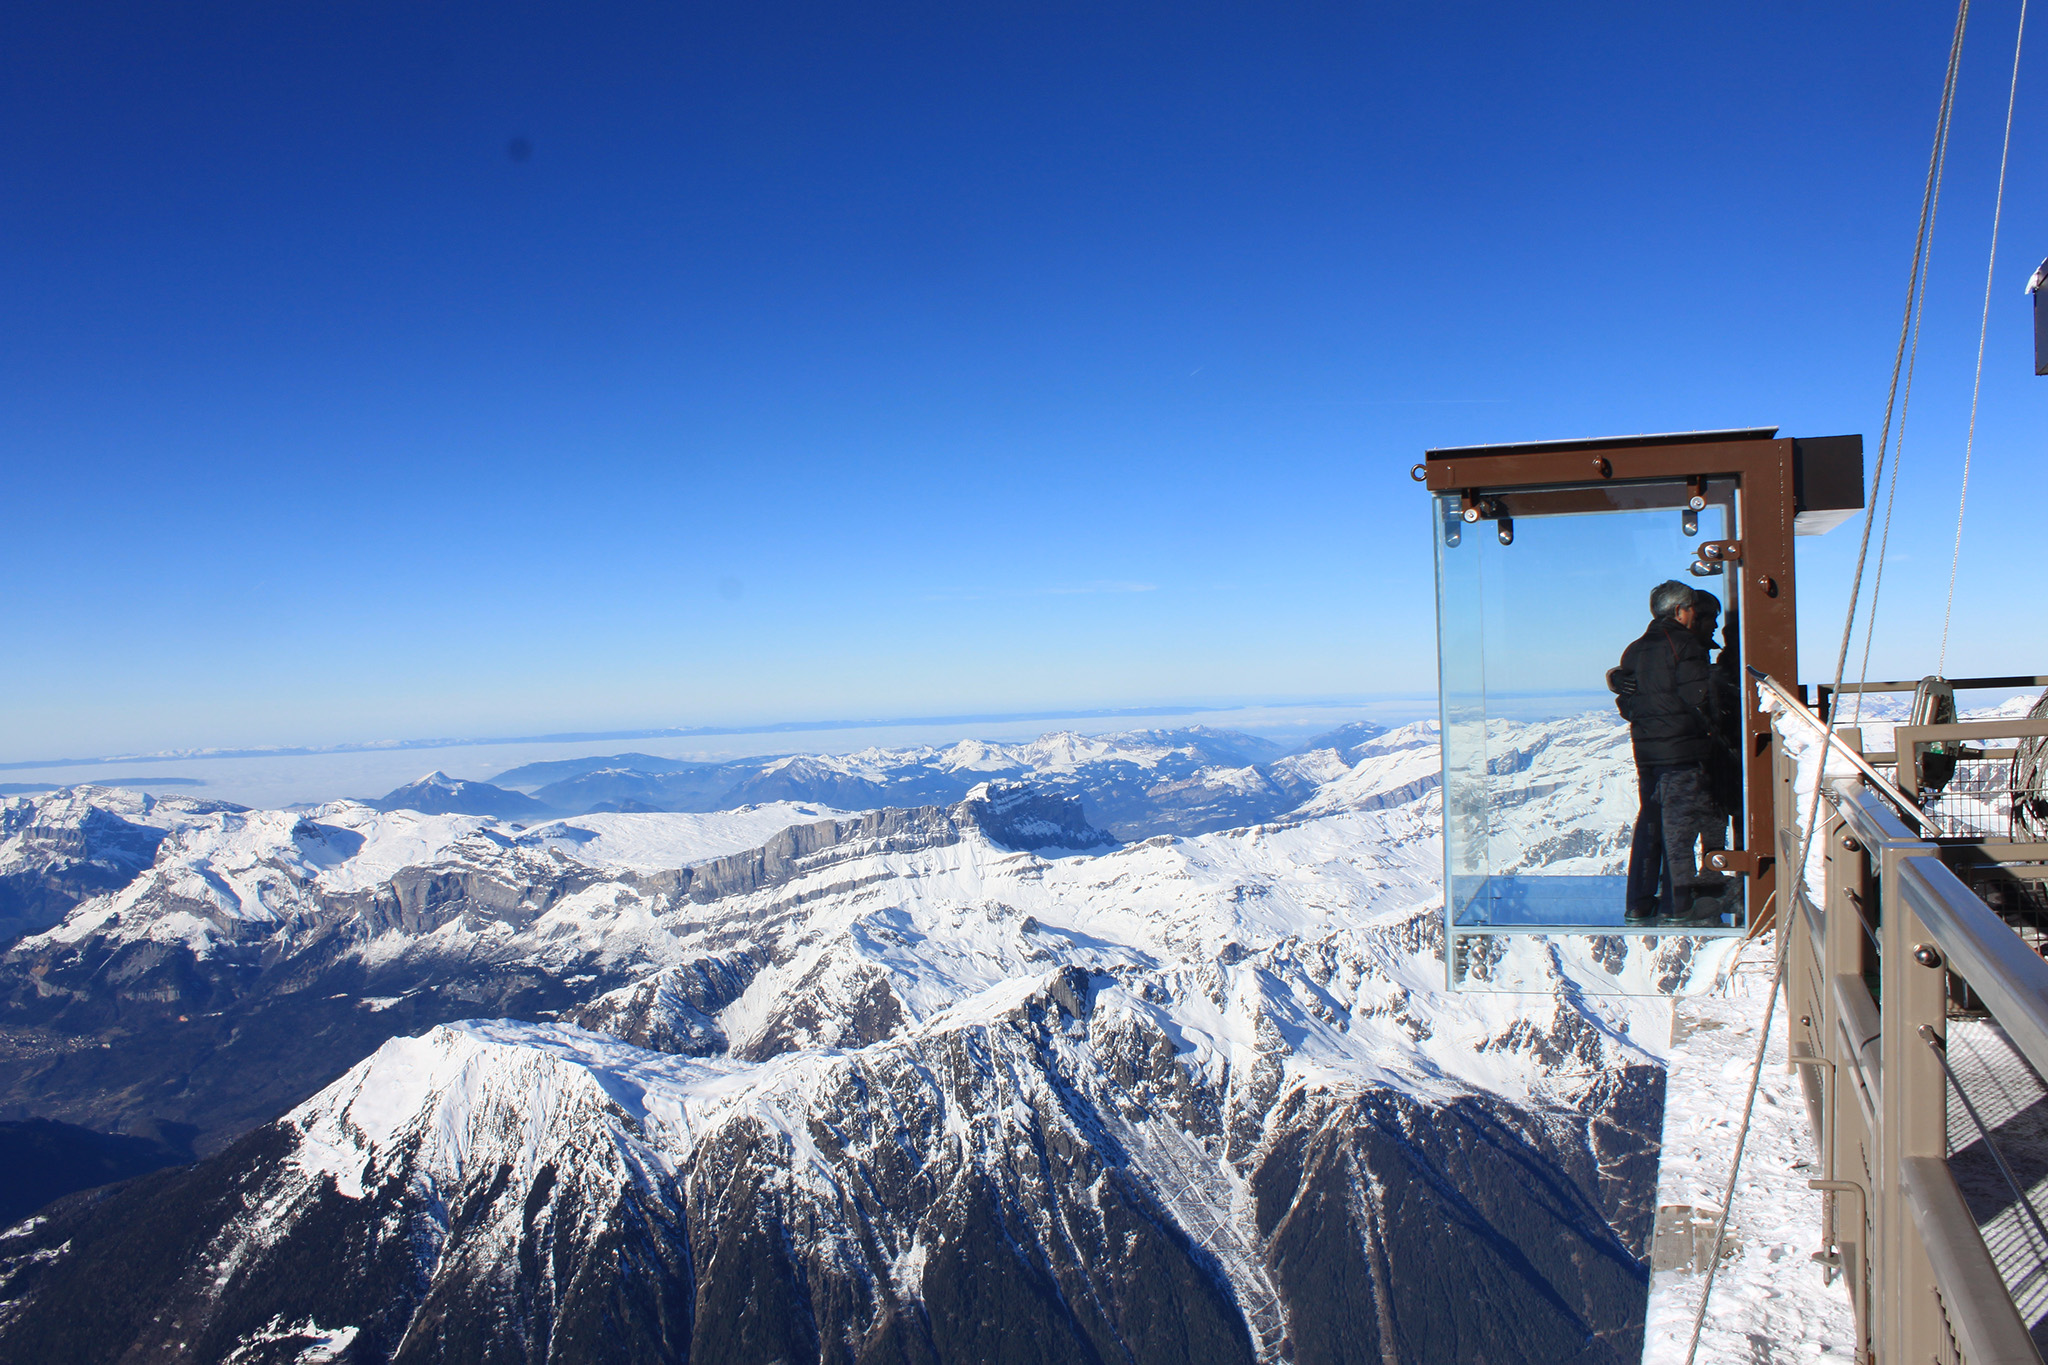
pixel 1977 803
pixel 2022 903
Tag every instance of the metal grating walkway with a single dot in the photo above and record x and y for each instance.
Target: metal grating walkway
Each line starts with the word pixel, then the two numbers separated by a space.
pixel 2013 1101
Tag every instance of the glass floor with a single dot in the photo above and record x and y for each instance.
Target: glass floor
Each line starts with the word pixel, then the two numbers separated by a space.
pixel 1553 901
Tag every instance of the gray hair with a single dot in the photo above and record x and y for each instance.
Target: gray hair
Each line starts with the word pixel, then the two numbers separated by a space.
pixel 1669 598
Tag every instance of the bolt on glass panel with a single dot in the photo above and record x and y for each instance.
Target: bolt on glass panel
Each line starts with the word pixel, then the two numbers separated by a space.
pixel 1542 792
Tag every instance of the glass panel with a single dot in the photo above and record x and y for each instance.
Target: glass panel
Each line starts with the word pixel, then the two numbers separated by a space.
pixel 1600 964
pixel 1541 791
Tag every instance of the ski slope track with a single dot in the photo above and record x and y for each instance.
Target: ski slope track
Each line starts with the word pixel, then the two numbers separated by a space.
pixel 964 1082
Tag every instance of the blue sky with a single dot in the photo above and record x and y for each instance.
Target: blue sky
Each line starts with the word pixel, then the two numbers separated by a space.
pixel 912 359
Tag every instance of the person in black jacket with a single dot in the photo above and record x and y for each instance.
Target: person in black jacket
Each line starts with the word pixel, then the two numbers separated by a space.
pixel 1662 686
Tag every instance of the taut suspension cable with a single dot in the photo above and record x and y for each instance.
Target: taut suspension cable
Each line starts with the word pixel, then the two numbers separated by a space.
pixel 1983 330
pixel 1916 303
pixel 1906 328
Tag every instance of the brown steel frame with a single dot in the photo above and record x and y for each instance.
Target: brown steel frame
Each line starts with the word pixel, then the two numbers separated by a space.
pixel 1558 478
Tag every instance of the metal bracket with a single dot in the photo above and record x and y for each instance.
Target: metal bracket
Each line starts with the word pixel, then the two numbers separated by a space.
pixel 1745 861
pixel 1474 508
pixel 1719 551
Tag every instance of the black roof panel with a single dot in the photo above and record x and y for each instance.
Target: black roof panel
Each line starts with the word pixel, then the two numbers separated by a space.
pixel 1667 438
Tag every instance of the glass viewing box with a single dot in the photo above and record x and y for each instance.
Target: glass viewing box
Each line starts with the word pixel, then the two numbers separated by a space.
pixel 1546 557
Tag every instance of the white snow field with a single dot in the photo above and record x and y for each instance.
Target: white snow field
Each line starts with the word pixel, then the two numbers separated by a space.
pixel 1770 1301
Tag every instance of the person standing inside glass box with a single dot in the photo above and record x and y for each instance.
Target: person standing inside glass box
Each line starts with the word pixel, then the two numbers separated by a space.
pixel 1724 718
pixel 1663 688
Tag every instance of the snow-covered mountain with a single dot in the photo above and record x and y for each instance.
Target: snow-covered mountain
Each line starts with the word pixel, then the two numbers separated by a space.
pixel 439 794
pixel 59 849
pixel 965 1081
pixel 1134 784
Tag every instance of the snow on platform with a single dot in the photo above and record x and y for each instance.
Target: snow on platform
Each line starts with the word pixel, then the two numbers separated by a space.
pixel 1770 1302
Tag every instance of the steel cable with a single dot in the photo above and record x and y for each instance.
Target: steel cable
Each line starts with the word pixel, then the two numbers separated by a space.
pixel 1898 366
pixel 1913 290
pixel 1906 334
pixel 1916 303
pixel 1983 330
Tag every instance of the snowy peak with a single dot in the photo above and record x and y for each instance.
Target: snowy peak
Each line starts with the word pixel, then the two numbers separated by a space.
pixel 1018 815
pixel 64 847
pixel 439 794
pixel 1345 740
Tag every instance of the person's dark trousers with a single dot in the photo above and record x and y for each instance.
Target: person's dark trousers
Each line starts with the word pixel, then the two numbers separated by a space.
pixel 1649 871
pixel 1690 813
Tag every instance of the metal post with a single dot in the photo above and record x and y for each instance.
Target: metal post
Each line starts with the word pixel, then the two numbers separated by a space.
pixel 1914 1108
pixel 1844 1148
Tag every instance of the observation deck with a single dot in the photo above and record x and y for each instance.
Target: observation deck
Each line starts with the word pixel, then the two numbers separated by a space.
pixel 1907 885
pixel 1547 555
pixel 1916 1001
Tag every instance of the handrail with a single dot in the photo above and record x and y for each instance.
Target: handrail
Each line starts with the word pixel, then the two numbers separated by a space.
pixel 2013 727
pixel 1873 822
pixel 1830 692
pixel 1959 684
pixel 1932 1284
pixel 1795 707
pixel 2009 977
pixel 1988 1326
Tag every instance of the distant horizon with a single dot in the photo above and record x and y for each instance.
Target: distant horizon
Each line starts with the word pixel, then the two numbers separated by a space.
pixel 283 777
pixel 1147 711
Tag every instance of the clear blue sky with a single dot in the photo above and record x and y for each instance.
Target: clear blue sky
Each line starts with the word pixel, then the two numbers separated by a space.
pixel 828 360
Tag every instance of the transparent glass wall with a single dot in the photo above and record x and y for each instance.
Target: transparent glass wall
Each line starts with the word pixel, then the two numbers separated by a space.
pixel 1541 794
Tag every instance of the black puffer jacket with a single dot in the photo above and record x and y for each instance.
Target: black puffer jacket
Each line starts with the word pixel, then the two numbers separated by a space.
pixel 1661 687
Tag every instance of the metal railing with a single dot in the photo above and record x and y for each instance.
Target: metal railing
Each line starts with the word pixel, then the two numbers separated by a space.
pixel 1868 970
pixel 1828 695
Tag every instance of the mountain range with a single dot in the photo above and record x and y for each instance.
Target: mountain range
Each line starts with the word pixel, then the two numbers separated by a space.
pixel 1134 784
pixel 954 1080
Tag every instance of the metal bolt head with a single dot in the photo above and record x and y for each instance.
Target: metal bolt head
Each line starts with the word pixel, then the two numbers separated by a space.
pixel 1471 514
pixel 1925 955
pixel 1851 844
pixel 1696 502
